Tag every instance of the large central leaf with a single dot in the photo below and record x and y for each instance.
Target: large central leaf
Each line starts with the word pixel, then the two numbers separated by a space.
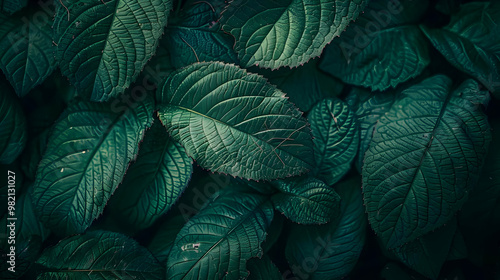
pixel 272 34
pixel 425 156
pixel 86 158
pixel 234 122
pixel 103 45
pixel 218 241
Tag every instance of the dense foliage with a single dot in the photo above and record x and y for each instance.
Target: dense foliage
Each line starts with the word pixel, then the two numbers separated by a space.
pixel 250 139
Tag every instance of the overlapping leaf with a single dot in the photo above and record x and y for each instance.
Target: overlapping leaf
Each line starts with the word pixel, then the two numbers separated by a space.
pixel 99 255
pixel 13 134
pixel 308 201
pixel 26 51
pixel 88 153
pixel 382 48
pixel 234 122
pixel 195 36
pixel 305 85
pixel 163 240
pixel 218 241
pixel 154 182
pixel 425 155
pixel 368 107
pixel 336 139
pixel 471 42
pixel 103 45
pixel 331 251
pixel 272 34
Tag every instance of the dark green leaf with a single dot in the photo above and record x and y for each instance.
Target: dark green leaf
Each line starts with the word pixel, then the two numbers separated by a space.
pixel 368 108
pixel 307 201
pixel 234 122
pixel 272 34
pixel 154 182
pixel 12 6
pixel 273 233
pixel 304 85
pixel 163 240
pixel 425 155
pixel 471 42
pixel 263 269
pixel 336 139
pixel 196 36
pixel 382 48
pixel 330 251
pixel 26 51
pixel 458 248
pixel 219 240
pixel 13 134
pixel 88 153
pixel 427 254
pixel 103 45
pixel 99 255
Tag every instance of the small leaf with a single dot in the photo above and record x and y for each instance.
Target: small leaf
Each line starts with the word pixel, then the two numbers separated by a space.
pixel 470 42
pixel 425 155
pixel 219 240
pixel 234 122
pixel 26 51
pixel 336 139
pixel 99 255
pixel 103 45
pixel 273 34
pixel 307 202
pixel 154 182
pixel 382 48
pixel 13 133
pixel 330 251
pixel 88 153
pixel 263 269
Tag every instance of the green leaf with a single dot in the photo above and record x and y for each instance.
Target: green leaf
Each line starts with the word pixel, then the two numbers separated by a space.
pixel 26 254
pixel 26 51
pixel 103 45
pixel 99 255
pixel 88 153
pixel 272 34
pixel 304 85
pixel 263 269
pixel 195 36
pixel 471 42
pixel 368 107
pixel 425 155
pixel 13 134
pixel 154 182
pixel 336 139
pixel 163 240
pixel 12 6
pixel 361 57
pixel 234 122
pixel 219 240
pixel 427 254
pixel 308 201
pixel 330 251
